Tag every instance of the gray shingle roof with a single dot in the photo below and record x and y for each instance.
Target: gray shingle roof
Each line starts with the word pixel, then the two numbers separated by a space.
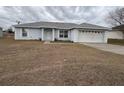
pixel 59 25
pixel 91 26
pixel 120 27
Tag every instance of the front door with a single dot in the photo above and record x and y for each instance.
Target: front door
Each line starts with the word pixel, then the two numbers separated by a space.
pixel 48 34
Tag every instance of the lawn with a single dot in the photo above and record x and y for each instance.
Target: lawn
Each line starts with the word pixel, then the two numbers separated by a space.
pixel 35 63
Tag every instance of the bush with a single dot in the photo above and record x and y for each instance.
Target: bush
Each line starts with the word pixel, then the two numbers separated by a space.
pixel 116 41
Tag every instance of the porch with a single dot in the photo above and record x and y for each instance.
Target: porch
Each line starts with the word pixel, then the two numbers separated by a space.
pixel 51 34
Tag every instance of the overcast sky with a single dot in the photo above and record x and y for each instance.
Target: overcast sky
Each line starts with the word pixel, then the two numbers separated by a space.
pixel 90 14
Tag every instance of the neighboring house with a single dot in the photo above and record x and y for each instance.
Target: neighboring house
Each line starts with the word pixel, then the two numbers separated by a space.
pixel 117 32
pixel 1 32
pixel 50 31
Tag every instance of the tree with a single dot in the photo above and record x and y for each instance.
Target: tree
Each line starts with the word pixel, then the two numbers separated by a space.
pixel 9 30
pixel 116 17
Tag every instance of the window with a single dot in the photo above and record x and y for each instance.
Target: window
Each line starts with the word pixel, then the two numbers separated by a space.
pixel 66 34
pixel 24 33
pixel 63 34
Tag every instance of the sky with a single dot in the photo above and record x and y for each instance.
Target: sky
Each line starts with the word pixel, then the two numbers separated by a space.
pixel 75 14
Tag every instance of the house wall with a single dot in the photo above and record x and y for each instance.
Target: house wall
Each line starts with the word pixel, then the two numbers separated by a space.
pixel 106 36
pixel 48 35
pixel 114 34
pixel 37 33
pixel 32 34
pixel 56 34
pixel 74 35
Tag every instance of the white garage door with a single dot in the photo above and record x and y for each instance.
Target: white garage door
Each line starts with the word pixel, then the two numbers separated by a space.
pixel 91 36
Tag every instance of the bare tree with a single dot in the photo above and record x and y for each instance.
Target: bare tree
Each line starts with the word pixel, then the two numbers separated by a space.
pixel 116 17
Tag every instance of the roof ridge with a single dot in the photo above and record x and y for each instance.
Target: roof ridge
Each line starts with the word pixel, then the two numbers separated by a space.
pixel 57 22
pixel 93 25
pixel 47 22
pixel 89 24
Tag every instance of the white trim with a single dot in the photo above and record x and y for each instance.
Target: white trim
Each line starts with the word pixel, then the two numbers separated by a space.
pixel 58 34
pixel 42 33
pixel 63 38
pixel 53 31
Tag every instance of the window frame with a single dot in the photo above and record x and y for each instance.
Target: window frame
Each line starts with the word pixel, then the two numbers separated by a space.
pixel 63 33
pixel 24 33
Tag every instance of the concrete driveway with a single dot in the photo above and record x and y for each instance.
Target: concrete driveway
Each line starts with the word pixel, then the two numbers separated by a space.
pixel 107 47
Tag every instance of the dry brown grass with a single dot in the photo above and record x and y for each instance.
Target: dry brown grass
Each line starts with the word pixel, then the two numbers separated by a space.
pixel 35 63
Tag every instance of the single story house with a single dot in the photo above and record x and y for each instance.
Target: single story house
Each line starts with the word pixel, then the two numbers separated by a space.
pixel 1 32
pixel 51 31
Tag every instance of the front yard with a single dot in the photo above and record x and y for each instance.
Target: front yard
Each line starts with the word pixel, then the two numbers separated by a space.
pixel 35 63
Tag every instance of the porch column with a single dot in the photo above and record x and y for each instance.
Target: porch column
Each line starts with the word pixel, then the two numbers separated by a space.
pixel 42 30
pixel 53 31
pixel 58 33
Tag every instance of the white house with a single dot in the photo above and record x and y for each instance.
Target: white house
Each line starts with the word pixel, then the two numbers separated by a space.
pixel 50 31
pixel 114 34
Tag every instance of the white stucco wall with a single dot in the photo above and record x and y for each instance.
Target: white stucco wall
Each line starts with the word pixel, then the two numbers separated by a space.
pixel 56 34
pixel 114 34
pixel 48 35
pixel 74 35
pixel 32 34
